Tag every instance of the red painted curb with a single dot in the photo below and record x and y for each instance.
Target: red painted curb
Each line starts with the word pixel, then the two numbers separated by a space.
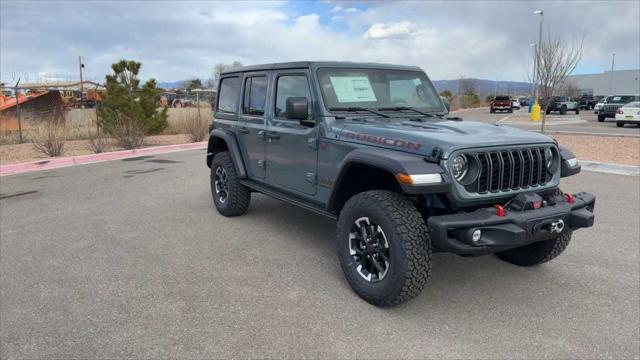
pixel 55 163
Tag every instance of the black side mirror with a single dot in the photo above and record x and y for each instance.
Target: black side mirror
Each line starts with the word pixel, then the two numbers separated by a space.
pixel 297 108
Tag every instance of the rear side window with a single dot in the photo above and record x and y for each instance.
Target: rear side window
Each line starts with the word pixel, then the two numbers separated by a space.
pixel 255 95
pixel 229 94
pixel 290 86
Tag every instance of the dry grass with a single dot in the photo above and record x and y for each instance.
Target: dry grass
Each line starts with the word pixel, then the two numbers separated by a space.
pixel 49 137
pixel 196 128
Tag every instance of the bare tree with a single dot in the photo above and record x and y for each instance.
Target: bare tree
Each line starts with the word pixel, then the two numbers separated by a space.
pixel 571 89
pixel 219 68
pixel 556 60
pixel 468 86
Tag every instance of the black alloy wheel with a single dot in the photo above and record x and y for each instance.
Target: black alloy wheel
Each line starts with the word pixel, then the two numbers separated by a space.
pixel 369 248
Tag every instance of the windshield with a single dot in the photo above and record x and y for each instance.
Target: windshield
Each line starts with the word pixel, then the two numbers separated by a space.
pixel 378 88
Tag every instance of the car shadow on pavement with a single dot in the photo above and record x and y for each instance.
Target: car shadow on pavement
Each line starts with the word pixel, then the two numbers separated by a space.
pixel 464 279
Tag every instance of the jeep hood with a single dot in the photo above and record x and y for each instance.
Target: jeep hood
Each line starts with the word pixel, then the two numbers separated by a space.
pixel 422 137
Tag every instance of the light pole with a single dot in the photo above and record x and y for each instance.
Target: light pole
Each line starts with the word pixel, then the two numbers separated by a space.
pixel 535 74
pixel 538 49
pixel 613 61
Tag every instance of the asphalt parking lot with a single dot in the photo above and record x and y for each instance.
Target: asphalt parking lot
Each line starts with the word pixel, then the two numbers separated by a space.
pixel 128 258
pixel 586 122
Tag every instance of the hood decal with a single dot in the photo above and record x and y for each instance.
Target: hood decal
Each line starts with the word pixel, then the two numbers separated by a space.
pixel 399 143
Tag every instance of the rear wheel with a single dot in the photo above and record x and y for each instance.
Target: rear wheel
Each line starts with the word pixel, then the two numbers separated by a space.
pixel 536 253
pixel 229 196
pixel 619 123
pixel 384 247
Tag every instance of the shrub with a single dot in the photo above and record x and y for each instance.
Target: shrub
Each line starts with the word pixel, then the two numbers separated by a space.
pixel 196 127
pixel 98 142
pixel 48 137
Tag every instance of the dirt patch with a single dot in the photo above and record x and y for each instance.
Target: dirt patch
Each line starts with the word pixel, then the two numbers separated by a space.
pixel 617 150
pixel 19 153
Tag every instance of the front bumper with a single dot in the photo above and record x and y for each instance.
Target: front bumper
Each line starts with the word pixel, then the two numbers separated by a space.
pixel 453 233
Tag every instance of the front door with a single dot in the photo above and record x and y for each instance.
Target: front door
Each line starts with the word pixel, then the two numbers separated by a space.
pixel 291 147
pixel 251 123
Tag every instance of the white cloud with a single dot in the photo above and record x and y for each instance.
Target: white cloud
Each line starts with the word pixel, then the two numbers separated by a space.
pixel 485 40
pixel 336 8
pixel 352 10
pixel 388 30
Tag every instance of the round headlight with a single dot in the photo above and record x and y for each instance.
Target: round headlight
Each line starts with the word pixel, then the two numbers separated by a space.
pixel 459 167
pixel 548 156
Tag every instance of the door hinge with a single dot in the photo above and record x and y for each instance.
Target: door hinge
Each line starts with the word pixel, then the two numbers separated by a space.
pixel 311 177
pixel 261 164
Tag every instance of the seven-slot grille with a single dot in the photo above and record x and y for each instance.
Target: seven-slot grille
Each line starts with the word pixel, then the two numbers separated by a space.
pixel 510 169
pixel 611 107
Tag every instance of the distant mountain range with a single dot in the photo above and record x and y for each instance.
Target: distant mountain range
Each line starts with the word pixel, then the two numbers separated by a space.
pixel 170 85
pixel 483 87
pixel 486 87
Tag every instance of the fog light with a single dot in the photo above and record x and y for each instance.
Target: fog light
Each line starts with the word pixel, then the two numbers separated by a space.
pixel 476 235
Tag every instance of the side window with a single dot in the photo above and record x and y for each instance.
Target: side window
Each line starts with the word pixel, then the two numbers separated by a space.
pixel 229 94
pixel 255 95
pixel 290 86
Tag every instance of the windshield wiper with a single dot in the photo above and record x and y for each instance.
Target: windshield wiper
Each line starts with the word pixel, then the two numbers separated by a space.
pixel 358 108
pixel 400 108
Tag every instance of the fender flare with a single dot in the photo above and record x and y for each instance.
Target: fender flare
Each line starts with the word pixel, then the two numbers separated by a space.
pixel 234 150
pixel 393 162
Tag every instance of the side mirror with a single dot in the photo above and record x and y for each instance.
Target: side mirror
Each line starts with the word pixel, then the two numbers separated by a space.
pixel 297 108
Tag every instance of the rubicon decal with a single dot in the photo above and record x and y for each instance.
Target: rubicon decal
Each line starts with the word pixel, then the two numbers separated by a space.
pixel 405 144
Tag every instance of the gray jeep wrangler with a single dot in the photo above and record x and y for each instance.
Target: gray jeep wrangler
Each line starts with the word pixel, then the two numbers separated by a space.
pixel 372 146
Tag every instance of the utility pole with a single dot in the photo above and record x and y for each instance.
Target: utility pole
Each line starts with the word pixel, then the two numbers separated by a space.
pixel 81 66
pixel 15 91
pixel 613 61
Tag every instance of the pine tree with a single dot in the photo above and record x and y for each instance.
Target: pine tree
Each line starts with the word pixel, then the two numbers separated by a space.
pixel 127 111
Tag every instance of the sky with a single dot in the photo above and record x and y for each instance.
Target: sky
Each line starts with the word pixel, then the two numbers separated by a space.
pixel 182 40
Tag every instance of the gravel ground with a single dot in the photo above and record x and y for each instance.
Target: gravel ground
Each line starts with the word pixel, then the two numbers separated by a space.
pixel 18 153
pixel 617 150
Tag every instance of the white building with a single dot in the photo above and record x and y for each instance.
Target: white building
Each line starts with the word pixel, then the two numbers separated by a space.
pixel 623 82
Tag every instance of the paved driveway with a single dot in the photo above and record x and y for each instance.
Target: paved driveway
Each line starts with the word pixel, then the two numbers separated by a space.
pixel 129 259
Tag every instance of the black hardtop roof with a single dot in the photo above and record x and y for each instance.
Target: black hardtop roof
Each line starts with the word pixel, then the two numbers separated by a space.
pixel 316 64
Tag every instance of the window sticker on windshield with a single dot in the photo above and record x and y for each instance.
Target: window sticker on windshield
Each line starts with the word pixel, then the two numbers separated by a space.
pixel 352 88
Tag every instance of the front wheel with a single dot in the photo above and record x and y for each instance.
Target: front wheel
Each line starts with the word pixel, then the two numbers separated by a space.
pixel 563 110
pixel 577 111
pixel 600 118
pixel 384 247
pixel 538 252
pixel 619 124
pixel 230 197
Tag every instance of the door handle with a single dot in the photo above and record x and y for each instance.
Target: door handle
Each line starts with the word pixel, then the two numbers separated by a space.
pixel 243 130
pixel 272 135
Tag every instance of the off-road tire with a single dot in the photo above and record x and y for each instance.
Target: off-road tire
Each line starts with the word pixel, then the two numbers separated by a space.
pixel 619 124
pixel 600 118
pixel 238 196
pixel 563 110
pixel 577 111
pixel 409 247
pixel 538 252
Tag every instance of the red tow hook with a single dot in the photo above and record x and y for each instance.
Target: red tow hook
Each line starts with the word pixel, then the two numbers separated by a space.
pixel 569 198
pixel 499 210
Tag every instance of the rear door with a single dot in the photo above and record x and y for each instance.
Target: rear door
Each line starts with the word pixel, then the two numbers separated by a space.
pixel 291 147
pixel 251 122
